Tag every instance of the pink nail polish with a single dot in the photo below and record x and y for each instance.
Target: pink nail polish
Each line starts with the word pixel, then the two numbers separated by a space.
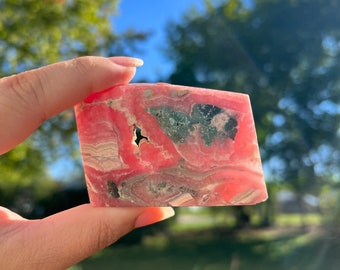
pixel 152 215
pixel 126 61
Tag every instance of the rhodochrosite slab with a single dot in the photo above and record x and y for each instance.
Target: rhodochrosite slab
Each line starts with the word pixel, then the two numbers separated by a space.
pixel 162 144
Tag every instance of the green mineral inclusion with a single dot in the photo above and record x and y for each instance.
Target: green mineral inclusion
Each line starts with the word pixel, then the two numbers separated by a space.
pixel 178 125
pixel 175 124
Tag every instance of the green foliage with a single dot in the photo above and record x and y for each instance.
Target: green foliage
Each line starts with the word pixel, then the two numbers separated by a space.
pixel 35 33
pixel 22 173
pixel 286 56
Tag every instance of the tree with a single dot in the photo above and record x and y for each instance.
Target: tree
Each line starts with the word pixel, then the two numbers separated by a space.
pixel 36 33
pixel 286 56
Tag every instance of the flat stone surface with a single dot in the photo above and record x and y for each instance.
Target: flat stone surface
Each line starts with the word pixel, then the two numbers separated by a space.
pixel 162 144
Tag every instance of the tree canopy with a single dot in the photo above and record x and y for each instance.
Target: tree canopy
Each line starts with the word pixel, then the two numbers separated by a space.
pixel 286 56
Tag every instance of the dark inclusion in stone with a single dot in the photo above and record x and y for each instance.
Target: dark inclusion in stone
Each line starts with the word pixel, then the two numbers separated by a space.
pixel 178 125
pixel 204 113
pixel 112 189
pixel 139 136
pixel 231 128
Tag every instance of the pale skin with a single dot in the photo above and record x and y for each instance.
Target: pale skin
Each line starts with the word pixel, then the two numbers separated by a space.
pixel 61 240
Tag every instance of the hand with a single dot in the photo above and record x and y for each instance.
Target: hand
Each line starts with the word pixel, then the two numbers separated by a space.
pixel 63 239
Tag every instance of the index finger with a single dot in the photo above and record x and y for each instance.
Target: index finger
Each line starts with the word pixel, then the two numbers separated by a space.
pixel 27 99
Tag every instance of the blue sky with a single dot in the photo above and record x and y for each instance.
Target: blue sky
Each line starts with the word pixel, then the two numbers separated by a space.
pixel 152 16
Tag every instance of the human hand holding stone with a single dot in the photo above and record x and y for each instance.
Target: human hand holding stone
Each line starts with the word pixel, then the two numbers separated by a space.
pixel 63 239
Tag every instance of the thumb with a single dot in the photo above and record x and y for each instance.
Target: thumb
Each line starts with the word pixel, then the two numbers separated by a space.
pixel 62 240
pixel 31 97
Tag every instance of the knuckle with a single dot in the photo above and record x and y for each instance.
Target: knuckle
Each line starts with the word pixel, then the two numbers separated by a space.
pixel 21 83
pixel 105 236
pixel 27 88
pixel 84 65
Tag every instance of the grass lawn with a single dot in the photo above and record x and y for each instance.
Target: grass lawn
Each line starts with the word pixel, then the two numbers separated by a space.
pixel 283 247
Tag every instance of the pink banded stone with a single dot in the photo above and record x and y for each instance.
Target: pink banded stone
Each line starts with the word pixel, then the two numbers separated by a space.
pixel 162 144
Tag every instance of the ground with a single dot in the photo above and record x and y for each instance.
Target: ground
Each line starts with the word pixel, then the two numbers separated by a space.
pixel 280 247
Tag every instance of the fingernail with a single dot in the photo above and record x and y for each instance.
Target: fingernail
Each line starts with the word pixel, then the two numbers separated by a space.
pixel 153 215
pixel 127 61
